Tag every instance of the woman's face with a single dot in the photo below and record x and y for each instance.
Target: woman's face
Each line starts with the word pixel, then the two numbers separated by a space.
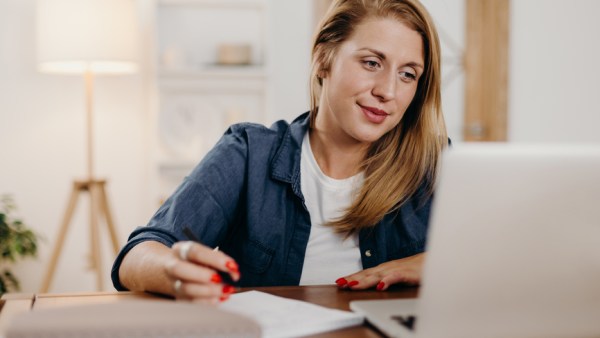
pixel 372 80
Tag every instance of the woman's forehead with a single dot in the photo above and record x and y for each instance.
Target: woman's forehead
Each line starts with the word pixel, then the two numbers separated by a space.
pixel 390 36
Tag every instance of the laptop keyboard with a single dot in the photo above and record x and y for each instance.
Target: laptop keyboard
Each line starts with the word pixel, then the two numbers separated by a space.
pixel 406 321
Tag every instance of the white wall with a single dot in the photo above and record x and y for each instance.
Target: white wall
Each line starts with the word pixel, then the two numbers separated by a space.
pixel 290 33
pixel 554 71
pixel 449 17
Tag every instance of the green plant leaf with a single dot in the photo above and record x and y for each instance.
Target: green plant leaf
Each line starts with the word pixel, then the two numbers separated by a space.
pixel 3 289
pixel 16 241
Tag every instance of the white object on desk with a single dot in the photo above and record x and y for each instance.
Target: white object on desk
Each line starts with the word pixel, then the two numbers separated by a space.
pixel 281 317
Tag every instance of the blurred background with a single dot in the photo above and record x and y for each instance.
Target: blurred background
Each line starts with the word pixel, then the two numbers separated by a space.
pixel 514 71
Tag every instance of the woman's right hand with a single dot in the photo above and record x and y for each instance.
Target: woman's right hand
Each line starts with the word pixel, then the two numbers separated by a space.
pixel 193 273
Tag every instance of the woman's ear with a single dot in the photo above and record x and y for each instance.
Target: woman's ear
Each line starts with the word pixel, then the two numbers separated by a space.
pixel 321 70
pixel 322 73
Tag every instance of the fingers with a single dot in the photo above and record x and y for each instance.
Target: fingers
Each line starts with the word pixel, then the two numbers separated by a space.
pixel 193 273
pixel 201 293
pixel 196 283
pixel 358 281
pixel 406 278
pixel 203 255
pixel 405 271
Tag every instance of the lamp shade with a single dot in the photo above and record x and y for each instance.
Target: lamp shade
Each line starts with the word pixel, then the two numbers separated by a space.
pixel 77 36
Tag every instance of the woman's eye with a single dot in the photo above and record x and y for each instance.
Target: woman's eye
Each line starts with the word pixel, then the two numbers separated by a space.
pixel 408 76
pixel 371 64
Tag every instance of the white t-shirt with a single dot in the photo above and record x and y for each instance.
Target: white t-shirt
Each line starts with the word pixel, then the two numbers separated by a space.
pixel 328 255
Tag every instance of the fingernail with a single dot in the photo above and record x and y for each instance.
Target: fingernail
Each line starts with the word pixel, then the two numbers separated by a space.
pixel 380 286
pixel 232 266
pixel 341 281
pixel 224 298
pixel 227 289
pixel 353 283
pixel 216 278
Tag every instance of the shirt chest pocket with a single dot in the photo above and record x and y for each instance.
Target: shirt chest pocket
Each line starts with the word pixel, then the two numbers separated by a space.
pixel 256 258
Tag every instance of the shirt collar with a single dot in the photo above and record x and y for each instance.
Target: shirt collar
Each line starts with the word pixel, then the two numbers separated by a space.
pixel 286 163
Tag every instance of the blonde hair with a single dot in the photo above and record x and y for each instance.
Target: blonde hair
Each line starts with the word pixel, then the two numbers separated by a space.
pixel 403 162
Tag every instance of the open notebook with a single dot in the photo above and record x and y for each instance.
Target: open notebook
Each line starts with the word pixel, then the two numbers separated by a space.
pixel 281 317
pixel 514 247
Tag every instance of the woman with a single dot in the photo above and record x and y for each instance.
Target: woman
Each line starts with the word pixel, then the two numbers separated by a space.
pixel 342 194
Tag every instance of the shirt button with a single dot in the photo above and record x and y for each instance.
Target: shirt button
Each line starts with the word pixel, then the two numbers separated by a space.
pixel 368 253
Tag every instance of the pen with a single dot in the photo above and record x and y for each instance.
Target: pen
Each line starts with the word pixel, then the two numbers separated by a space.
pixel 190 235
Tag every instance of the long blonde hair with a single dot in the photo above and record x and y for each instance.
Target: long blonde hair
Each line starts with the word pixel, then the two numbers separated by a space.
pixel 403 162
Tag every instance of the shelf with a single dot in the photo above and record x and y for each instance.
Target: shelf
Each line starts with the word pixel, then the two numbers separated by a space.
pixel 217 71
pixel 198 97
pixel 243 4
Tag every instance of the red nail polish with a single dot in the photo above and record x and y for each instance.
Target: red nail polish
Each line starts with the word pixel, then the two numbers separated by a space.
pixel 224 298
pixel 227 289
pixel 216 278
pixel 380 286
pixel 341 281
pixel 353 283
pixel 232 266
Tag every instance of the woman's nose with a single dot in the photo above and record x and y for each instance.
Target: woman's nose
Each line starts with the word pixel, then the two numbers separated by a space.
pixel 385 86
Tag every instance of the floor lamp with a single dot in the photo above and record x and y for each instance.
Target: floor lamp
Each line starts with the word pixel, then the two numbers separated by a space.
pixel 89 38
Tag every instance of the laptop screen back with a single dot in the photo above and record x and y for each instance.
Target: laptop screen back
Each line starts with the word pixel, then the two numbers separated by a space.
pixel 514 244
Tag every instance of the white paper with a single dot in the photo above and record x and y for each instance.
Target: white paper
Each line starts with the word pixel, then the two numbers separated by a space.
pixel 283 317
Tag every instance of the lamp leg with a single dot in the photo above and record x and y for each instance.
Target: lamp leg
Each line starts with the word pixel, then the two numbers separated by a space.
pixel 98 208
pixel 104 209
pixel 96 255
pixel 75 192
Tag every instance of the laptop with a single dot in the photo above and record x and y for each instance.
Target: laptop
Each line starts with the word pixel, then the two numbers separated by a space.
pixel 513 248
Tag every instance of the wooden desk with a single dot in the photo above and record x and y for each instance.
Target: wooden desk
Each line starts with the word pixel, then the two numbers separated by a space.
pixel 329 296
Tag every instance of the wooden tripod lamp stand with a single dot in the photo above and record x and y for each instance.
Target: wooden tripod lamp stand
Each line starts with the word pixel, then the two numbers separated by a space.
pixel 89 37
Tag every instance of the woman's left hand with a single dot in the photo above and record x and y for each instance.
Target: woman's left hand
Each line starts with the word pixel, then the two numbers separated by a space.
pixel 406 271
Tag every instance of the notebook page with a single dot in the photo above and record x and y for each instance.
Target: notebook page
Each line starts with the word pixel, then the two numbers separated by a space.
pixel 281 317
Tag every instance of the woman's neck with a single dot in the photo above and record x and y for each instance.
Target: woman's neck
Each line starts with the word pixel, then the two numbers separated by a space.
pixel 338 158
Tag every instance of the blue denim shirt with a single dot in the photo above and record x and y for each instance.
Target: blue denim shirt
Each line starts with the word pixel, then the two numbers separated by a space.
pixel 244 196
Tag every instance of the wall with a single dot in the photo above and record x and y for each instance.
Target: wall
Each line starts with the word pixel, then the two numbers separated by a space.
pixel 449 17
pixel 290 35
pixel 554 71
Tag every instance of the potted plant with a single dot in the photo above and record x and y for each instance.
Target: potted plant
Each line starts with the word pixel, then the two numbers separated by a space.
pixel 16 241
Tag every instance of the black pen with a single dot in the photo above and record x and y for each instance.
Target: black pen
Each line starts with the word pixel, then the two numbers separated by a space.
pixel 190 235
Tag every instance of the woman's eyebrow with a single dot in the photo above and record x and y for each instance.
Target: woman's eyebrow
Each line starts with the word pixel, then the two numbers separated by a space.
pixel 381 55
pixel 415 65
pixel 374 51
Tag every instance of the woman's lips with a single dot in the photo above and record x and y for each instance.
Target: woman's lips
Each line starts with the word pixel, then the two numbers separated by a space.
pixel 373 114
